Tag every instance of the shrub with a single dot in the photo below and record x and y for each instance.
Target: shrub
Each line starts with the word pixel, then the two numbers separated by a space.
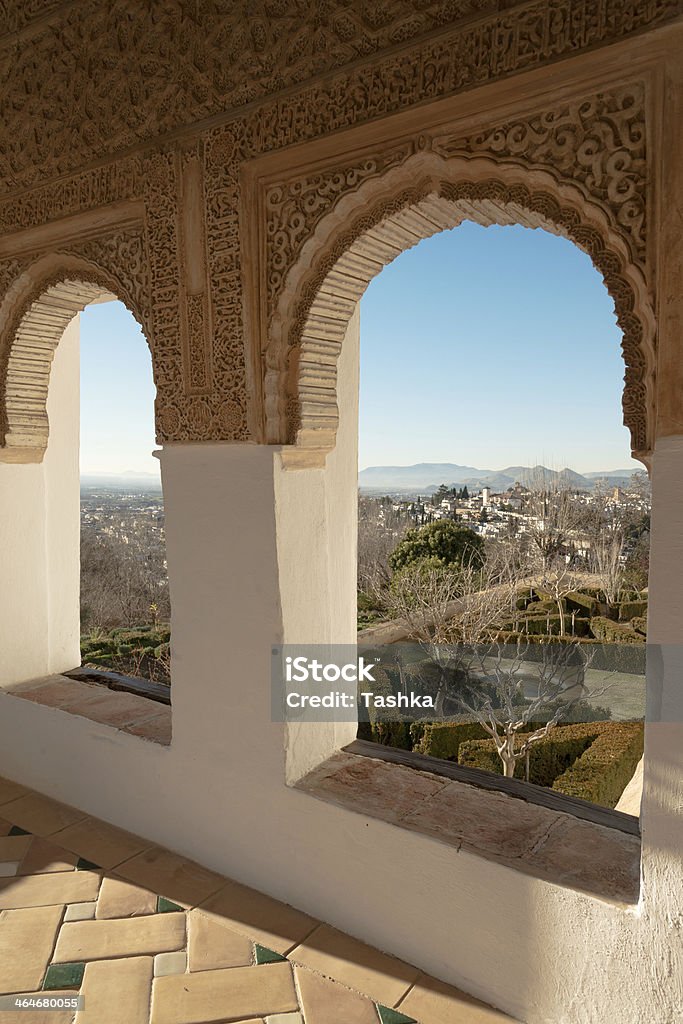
pixel 604 770
pixel 444 739
pixel 640 624
pixel 593 761
pixel 547 759
pixel 585 603
pixel 373 728
pixel 409 582
pixel 631 610
pixel 610 632
pixel 535 607
pixel 448 542
pixel 541 625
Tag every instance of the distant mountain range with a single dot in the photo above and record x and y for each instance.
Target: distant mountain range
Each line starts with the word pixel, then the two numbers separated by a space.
pixel 128 481
pixel 426 477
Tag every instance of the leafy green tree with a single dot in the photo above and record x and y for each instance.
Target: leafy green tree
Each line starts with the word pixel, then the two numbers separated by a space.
pixel 444 541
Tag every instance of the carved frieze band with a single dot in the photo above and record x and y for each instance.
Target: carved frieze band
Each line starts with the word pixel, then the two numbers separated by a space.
pixel 598 141
pixel 192 304
pixel 205 58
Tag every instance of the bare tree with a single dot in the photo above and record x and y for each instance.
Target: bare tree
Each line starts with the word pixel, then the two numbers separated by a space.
pixel 553 519
pixel 457 604
pixel 505 707
pixel 380 529
pixel 446 606
pixel 124 580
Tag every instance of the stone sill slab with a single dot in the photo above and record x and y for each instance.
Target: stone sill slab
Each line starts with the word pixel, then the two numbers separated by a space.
pixel 149 937
pixel 138 716
pixel 545 843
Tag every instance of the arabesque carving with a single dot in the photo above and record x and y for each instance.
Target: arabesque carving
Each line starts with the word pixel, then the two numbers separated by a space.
pixel 305 72
pixel 209 57
pixel 50 289
pixel 596 143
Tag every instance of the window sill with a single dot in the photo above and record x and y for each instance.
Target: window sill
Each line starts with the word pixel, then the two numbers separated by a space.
pixel 127 712
pixel 507 828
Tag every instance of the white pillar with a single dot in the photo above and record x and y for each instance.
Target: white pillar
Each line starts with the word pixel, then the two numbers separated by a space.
pixel 259 554
pixel 662 807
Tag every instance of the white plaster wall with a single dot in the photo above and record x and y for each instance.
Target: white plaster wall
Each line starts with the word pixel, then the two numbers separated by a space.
pixel 541 952
pixel 62 504
pixel 317 529
pixel 39 538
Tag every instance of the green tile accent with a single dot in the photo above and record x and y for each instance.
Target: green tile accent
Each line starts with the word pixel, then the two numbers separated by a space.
pixel 267 956
pixel 63 976
pixel 389 1016
pixel 16 831
pixel 87 865
pixel 165 906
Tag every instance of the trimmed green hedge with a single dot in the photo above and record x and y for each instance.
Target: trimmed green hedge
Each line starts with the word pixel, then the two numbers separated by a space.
pixel 605 769
pixel 585 603
pixel 640 624
pixel 631 610
pixel 443 739
pixel 536 607
pixel 610 632
pixel 593 761
pixel 390 734
pixel 547 759
pixel 541 625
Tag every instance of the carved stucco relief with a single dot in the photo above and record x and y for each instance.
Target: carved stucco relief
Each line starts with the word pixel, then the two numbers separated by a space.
pixel 196 328
pixel 129 72
pixel 198 358
pixel 595 143
pixel 45 290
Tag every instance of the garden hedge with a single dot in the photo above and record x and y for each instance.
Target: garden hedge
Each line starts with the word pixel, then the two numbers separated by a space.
pixel 631 610
pixel 610 632
pixel 593 761
pixel 640 624
pixel 443 739
pixel 548 758
pixel 585 603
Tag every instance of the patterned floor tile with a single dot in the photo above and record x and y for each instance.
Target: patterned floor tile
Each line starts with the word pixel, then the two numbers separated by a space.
pixel 224 995
pixel 27 938
pixel 138 950
pixel 117 991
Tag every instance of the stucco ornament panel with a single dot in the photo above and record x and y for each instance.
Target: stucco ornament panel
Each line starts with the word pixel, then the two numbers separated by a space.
pixel 593 148
pixel 43 291
pixel 129 72
pixel 598 141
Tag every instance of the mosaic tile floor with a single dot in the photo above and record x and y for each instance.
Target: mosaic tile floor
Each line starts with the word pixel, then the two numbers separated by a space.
pixel 144 936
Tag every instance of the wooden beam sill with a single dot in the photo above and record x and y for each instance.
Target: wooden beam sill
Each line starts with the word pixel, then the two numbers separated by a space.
pixel 546 841
pixel 126 711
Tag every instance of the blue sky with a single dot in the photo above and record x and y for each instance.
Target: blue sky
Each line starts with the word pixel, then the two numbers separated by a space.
pixel 117 393
pixel 486 347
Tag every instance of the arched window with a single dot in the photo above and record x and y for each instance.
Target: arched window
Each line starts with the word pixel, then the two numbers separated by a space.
pixel 501 515
pixel 51 589
pixel 125 608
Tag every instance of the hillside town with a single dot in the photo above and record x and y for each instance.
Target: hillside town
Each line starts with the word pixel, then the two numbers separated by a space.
pixel 514 513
